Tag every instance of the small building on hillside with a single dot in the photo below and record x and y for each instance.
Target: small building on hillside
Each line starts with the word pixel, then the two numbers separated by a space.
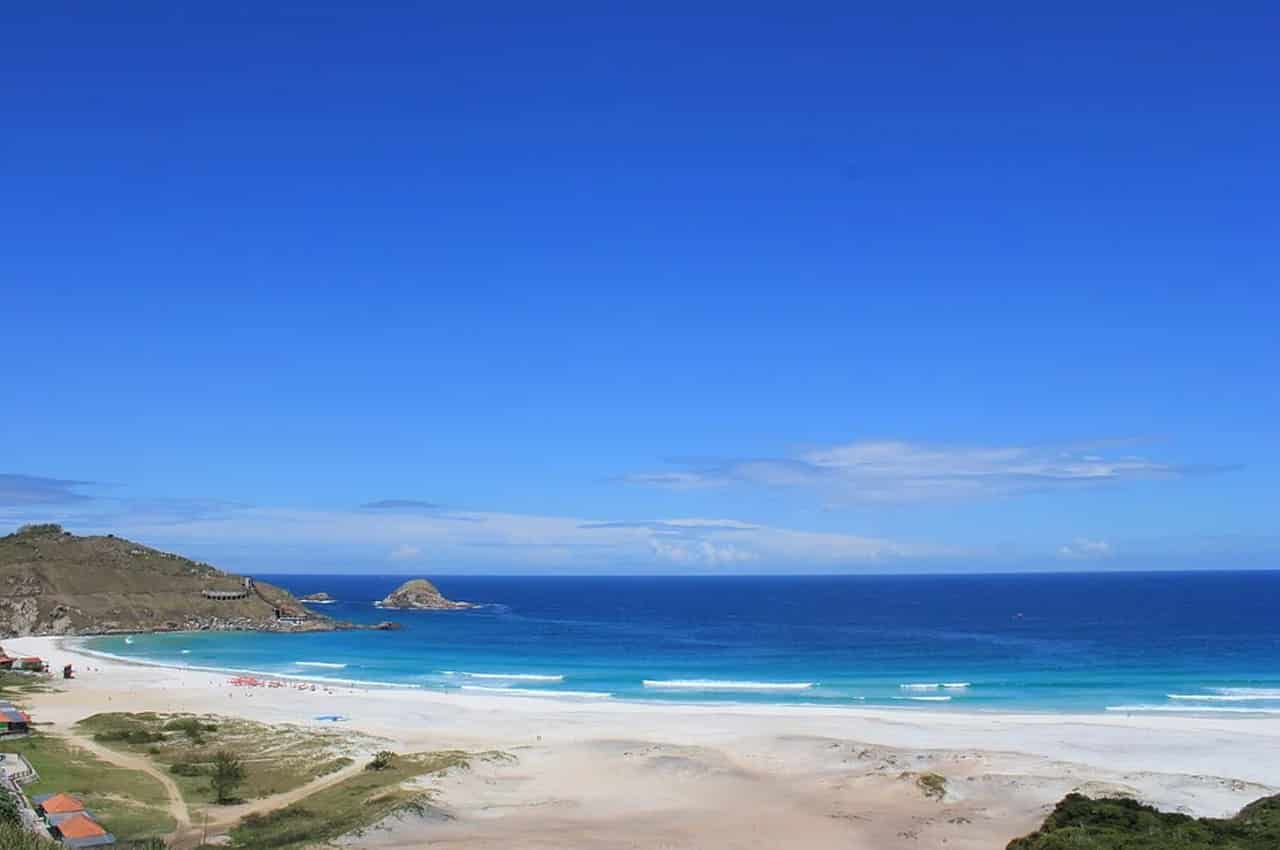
pixel 13 721
pixel 80 831
pixel 53 805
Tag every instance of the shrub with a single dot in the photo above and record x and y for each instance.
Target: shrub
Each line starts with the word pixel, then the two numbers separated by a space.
pixel 186 768
pixel 382 760
pixel 227 775
pixel 933 785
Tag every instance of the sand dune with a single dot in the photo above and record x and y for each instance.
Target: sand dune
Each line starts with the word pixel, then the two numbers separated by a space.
pixel 601 775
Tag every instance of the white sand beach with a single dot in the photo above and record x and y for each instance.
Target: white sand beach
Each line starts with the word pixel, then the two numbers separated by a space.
pixel 613 774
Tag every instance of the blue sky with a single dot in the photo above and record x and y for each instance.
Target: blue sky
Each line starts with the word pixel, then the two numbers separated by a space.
pixel 557 289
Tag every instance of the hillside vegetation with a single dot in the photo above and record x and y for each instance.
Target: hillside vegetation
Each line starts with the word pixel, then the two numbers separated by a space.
pixel 1112 823
pixel 54 582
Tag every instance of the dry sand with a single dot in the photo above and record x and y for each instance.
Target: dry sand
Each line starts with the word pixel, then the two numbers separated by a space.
pixel 613 774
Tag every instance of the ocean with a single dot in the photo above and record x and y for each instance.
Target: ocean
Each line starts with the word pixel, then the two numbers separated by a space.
pixel 1136 642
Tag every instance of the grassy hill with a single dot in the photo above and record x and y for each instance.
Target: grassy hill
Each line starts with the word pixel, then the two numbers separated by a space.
pixel 53 582
pixel 1113 823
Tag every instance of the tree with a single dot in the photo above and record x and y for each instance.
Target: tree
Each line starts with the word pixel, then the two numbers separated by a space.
pixel 228 775
pixel 9 809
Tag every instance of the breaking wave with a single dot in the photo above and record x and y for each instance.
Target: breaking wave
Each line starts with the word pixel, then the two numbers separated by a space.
pixel 724 685
pixel 534 692
pixel 1193 709
pixel 508 677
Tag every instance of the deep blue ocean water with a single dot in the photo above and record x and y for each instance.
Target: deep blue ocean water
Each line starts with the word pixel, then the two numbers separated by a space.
pixel 1173 642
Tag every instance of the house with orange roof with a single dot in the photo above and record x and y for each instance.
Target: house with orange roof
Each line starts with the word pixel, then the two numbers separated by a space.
pixel 57 804
pixel 80 831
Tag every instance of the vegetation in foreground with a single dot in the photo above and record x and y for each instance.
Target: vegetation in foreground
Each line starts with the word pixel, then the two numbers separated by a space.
pixel 197 751
pixel 347 807
pixel 1114 823
pixel 14 686
pixel 129 803
pixel 14 837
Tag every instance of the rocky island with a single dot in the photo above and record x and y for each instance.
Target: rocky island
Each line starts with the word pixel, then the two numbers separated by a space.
pixel 321 598
pixel 421 595
pixel 53 582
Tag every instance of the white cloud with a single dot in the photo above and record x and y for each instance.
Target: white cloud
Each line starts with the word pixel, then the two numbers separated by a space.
pixel 899 471
pixel 1084 549
pixel 456 538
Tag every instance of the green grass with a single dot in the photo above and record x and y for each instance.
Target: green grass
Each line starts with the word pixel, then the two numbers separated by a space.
pixel 1114 823
pixel 129 803
pixel 276 758
pixel 13 686
pixel 16 838
pixel 349 806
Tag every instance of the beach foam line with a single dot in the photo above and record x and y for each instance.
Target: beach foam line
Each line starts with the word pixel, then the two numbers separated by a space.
pixel 1255 693
pixel 1192 709
pixel 724 685
pixel 242 671
pixel 1223 697
pixel 926 699
pixel 327 665
pixel 509 677
pixel 535 692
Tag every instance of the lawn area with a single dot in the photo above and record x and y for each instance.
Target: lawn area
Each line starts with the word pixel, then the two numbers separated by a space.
pixel 14 685
pixel 351 805
pixel 276 758
pixel 129 803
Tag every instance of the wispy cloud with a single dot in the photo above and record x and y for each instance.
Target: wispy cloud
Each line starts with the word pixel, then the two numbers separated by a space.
pixel 1082 549
pixel 405 552
pixel 17 489
pixel 897 471
pixel 400 505
pixel 457 537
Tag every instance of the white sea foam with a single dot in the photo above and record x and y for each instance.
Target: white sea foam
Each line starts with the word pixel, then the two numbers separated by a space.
pixel 186 652
pixel 725 685
pixel 921 686
pixel 925 699
pixel 510 677
pixel 1223 697
pixel 1254 693
pixel 534 692
pixel 956 686
pixel 327 665
pixel 1192 709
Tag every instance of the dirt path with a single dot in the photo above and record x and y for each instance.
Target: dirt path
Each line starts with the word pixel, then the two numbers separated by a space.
pixel 223 817
pixel 220 818
pixel 177 806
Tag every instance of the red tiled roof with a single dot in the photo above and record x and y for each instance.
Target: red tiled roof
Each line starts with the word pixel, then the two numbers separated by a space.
pixel 61 804
pixel 80 826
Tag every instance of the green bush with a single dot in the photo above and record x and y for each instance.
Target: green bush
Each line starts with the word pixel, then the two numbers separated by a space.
pixel 129 736
pixel 1116 823
pixel 186 768
pixel 382 760
pixel 14 837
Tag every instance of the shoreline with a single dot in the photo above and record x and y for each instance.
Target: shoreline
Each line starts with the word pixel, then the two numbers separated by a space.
pixel 695 763
pixel 75 644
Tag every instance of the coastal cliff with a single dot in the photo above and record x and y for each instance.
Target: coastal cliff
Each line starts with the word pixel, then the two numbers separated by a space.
pixel 56 583
pixel 421 595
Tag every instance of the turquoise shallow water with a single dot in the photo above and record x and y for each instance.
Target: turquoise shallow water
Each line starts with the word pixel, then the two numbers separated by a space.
pixel 1171 642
